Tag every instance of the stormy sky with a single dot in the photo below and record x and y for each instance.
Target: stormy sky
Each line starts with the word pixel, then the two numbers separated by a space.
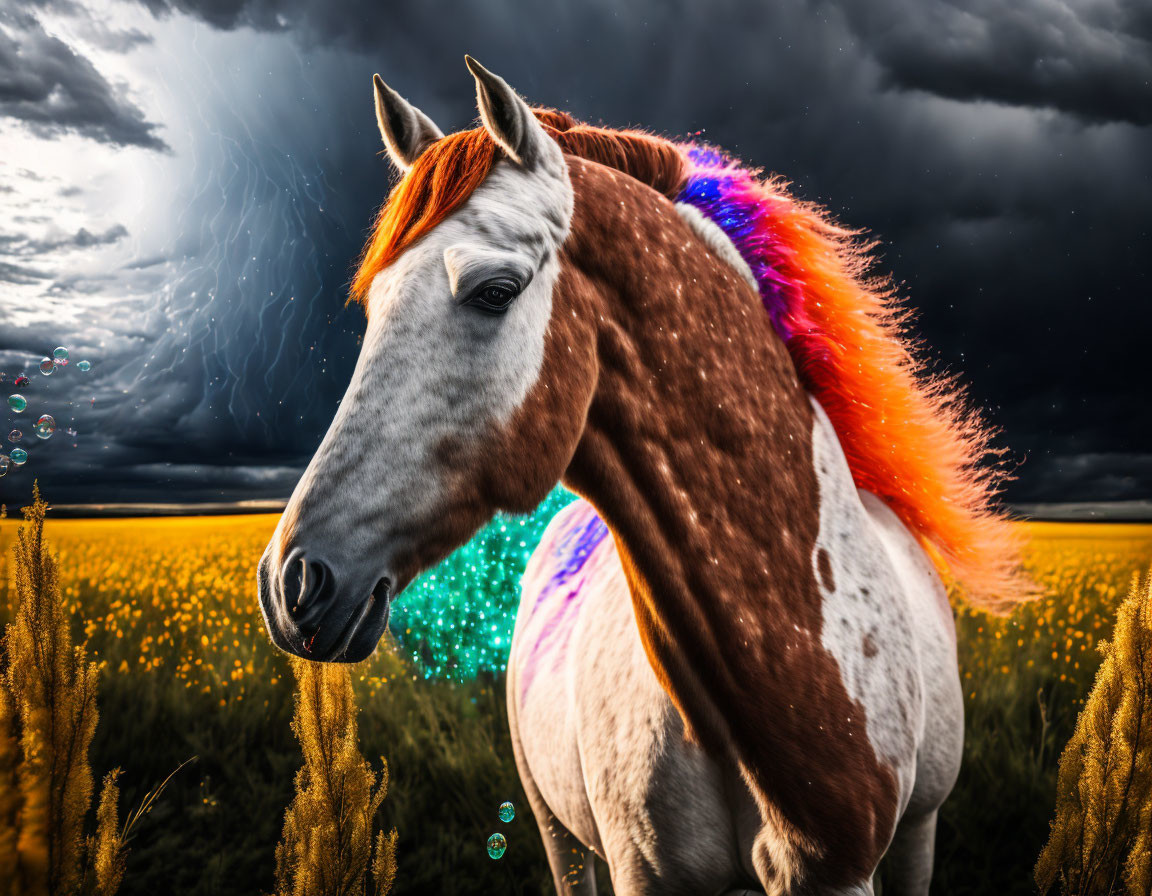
pixel 186 184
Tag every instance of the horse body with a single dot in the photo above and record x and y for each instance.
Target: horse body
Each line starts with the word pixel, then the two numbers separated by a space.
pixel 739 669
pixel 757 581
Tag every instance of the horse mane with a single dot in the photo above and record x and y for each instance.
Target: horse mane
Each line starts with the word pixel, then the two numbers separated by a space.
pixel 910 436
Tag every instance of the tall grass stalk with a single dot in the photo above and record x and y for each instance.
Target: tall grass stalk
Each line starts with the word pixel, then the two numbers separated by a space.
pixel 1101 840
pixel 327 847
pixel 48 716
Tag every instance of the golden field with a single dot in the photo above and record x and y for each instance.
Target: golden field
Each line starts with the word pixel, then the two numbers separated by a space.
pixel 167 596
pixel 168 606
pixel 176 596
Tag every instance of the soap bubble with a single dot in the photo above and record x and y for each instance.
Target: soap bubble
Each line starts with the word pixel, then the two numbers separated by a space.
pixel 60 353
pixel 3 464
pixel 47 365
pixel 496 845
pixel 83 366
pixel 19 455
pixel 44 427
pixel 17 403
pixel 506 811
pixel 15 435
pixel 20 382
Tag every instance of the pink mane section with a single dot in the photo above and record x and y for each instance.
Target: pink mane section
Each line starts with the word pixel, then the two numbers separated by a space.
pixel 909 436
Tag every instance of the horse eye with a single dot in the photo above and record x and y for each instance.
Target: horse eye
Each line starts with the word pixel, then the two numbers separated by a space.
pixel 495 296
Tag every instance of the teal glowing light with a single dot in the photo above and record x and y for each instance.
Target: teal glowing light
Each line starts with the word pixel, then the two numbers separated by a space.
pixel 455 620
pixel 497 845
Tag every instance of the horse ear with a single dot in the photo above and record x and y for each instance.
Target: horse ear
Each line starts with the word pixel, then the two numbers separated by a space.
pixel 507 118
pixel 407 131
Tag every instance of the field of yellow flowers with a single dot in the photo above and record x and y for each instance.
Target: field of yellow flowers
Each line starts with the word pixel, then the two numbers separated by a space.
pixel 168 608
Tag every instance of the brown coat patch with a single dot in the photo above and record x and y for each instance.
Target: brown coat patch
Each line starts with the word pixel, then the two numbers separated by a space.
pixel 697 452
pixel 824 567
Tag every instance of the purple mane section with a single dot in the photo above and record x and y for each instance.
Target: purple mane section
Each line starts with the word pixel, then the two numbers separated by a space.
pixel 573 548
pixel 559 569
pixel 734 199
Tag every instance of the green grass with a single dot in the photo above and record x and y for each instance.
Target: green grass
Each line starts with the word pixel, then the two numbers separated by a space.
pixel 215 828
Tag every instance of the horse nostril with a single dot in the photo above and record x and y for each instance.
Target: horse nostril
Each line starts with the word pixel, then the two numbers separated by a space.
pixel 307 586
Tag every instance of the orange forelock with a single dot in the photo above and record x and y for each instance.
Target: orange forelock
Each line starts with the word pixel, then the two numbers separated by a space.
pixel 443 178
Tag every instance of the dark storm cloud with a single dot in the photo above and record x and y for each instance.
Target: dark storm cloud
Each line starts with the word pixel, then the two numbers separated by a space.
pixel 81 239
pixel 15 273
pixel 51 88
pixel 1094 62
pixel 1107 477
pixel 265 15
pixel 117 40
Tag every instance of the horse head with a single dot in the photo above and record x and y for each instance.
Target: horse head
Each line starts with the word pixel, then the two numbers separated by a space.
pixel 464 400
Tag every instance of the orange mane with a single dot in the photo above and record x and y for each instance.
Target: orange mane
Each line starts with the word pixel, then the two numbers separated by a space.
pixel 909 437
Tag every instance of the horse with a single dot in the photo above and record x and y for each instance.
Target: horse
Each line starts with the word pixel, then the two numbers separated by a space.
pixel 734 662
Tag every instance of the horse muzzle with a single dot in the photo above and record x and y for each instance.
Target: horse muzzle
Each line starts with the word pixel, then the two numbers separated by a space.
pixel 311 613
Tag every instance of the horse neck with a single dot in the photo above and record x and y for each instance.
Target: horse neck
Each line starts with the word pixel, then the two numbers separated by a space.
pixel 698 454
pixel 697 449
